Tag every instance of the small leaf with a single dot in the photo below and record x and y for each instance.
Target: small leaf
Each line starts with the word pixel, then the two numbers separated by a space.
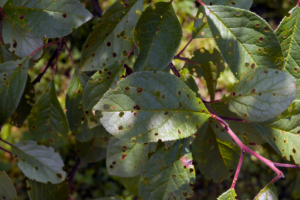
pixel 262 95
pixel 125 159
pixel 39 162
pixel 22 43
pixel 7 189
pixel 245 40
pixel 158 39
pixel 228 195
pixel 267 193
pixel 147 107
pixel 39 18
pixel 24 108
pixel 131 184
pixel 111 39
pixel 47 191
pixel 48 122
pixel 168 174
pixel 187 78
pixel 89 153
pixel 13 77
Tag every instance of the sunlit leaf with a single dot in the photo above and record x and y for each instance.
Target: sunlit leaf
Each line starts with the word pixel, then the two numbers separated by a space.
pixel 159 38
pixel 268 193
pixel 7 189
pixel 47 18
pixel 47 122
pixel 39 162
pixel 147 106
pixel 228 195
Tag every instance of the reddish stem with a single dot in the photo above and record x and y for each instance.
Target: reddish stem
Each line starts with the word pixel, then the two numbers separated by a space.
pixel 238 170
pixel 55 64
pixel 184 47
pixel 70 55
pixel 48 44
pixel 199 1
pixel 72 173
pixel 5 142
pixel 175 71
pixel 298 3
pixel 2 13
pixel 286 165
pixel 6 151
pixel 185 59
pixel 130 52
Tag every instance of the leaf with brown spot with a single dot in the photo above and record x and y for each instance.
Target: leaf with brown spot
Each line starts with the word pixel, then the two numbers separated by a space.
pixel 7 189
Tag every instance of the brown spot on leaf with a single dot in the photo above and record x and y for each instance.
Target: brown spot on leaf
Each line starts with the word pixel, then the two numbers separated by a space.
pixel 127 89
pixel 64 15
pixel 139 90
pixel 137 107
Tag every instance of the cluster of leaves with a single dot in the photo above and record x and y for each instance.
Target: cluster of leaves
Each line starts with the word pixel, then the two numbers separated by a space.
pixel 124 104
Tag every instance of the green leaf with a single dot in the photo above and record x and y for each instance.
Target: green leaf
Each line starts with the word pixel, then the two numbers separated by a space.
pixel 13 77
pixel 2 3
pixel 169 174
pixel 90 153
pixel 131 184
pixel 111 39
pixel 245 40
pixel 244 4
pixel 215 159
pixel 210 66
pixel 288 33
pixel 6 56
pixel 47 18
pixel 22 43
pixel 283 136
pixel 267 193
pixel 39 162
pixel 228 195
pixel 149 106
pixel 7 189
pixel 158 35
pixel 95 88
pixel 48 122
pixel 108 198
pixel 24 108
pixel 186 77
pixel 47 191
pixel 262 95
pixel 126 159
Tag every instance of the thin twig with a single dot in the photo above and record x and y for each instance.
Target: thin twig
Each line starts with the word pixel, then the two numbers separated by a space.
pixel 298 3
pixel 97 10
pixel 72 173
pixel 3 13
pixel 6 151
pixel 55 63
pixel 70 55
pixel 173 68
pixel 201 2
pixel 215 101
pixel 5 142
pixel 48 44
pixel 185 47
pixel 186 60
pixel 286 165
pixel 130 52
pixel 238 170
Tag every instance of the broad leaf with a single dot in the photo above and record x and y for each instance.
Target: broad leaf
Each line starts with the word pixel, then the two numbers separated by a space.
pixel 7 189
pixel 2 3
pixel 158 39
pixel 111 39
pixel 283 136
pixel 244 4
pixel 21 42
pixel 95 88
pixel 245 40
pixel 13 77
pixel 169 174
pixel 48 122
pixel 47 191
pixel 215 159
pixel 210 66
pixel 288 33
pixel 24 108
pixel 131 184
pixel 47 18
pixel 149 106
pixel 262 95
pixel 126 159
pixel 228 195
pixel 6 56
pixel 187 78
pixel 90 153
pixel 267 193
pixel 39 162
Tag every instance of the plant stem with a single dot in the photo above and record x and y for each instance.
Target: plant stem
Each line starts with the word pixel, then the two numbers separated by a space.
pixel 130 52
pixel 2 13
pixel 238 170
pixel 48 44
pixel 215 101
pixel 5 142
pixel 184 47
pixel 199 1
pixel 6 151
pixel 72 173
pixel 234 119
pixel 185 59
pixel 70 55
pixel 97 9
pixel 298 3
pixel 173 68
pixel 286 165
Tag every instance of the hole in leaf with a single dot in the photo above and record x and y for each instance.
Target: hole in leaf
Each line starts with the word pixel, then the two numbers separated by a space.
pixel 108 44
pixel 139 89
pixel 252 91
pixel 294 151
pixel 127 89
pixel 188 96
pixel 261 39
pixel 121 114
pixel 59 176
pixel 114 55
pixel 237 13
pixel 64 15
pixel 137 107
pixel 21 16
pixel 295 69
pixel 14 44
pixel 233 3
pixel 163 96
pixel 156 134
pixel 179 93
pixel 247 64
pixel 120 128
pixel 266 28
pixel 180 105
pixel 191 170
pixel 157 93
pixel 253 66
pixel 166 113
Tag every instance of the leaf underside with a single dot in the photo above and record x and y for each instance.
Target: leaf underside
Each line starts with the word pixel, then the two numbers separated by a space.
pixel 7 189
pixel 267 193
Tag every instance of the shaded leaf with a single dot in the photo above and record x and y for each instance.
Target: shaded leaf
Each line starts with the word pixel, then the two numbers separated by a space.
pixel 2 3
pixel 13 77
pixel 47 191
pixel 47 122
pixel 22 43
pixel 149 106
pixel 24 108
pixel 131 184
pixel 158 35
pixel 111 39
pixel 89 153
pixel 6 56
pixel 245 40
pixel 108 198
pixel 39 162
pixel 39 18
pixel 267 193
pixel 228 195
pixel 186 77
pixel 262 95
pixel 169 174
pixel 126 159
pixel 7 189
pixel 288 33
